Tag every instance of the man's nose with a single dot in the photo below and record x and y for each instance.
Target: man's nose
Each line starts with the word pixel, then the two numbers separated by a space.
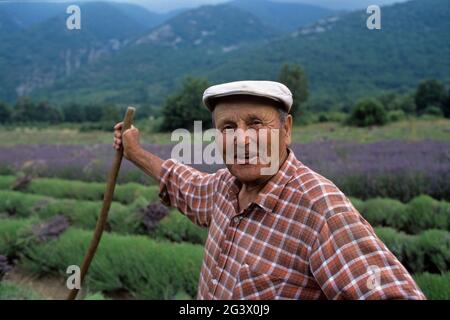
pixel 243 136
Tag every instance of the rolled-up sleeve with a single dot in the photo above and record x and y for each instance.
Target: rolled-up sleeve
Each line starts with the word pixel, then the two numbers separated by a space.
pixel 189 190
pixel 349 261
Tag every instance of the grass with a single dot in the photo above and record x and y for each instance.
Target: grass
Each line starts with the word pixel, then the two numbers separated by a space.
pixel 58 135
pixel 434 286
pixel 420 214
pixel 428 251
pixel 81 213
pixel 81 190
pixel 12 291
pixel 146 268
pixel 415 129
pixel 178 228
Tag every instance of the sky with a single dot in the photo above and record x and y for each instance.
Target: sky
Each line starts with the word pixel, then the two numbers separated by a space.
pixel 167 5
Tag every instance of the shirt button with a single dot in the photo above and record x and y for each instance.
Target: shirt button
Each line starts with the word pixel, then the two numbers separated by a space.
pixel 214 281
pixel 236 220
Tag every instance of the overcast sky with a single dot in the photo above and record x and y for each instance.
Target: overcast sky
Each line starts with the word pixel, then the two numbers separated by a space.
pixel 165 5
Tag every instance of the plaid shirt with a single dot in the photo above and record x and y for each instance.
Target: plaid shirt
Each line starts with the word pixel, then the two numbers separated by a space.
pixel 300 239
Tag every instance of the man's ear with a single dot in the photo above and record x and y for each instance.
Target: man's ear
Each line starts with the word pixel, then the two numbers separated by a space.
pixel 288 130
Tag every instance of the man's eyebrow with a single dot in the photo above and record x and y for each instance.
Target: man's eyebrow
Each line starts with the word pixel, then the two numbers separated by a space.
pixel 253 117
pixel 222 122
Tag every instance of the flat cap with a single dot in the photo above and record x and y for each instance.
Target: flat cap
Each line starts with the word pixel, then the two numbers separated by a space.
pixel 269 89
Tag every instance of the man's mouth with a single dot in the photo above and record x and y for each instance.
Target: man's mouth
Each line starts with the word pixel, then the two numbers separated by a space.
pixel 246 159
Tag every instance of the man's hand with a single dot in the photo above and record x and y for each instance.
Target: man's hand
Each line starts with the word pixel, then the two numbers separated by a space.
pixel 132 150
pixel 129 140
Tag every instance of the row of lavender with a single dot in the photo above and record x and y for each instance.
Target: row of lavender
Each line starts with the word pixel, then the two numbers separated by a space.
pixel 395 169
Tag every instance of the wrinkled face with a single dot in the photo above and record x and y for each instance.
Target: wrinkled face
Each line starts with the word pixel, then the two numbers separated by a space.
pixel 251 128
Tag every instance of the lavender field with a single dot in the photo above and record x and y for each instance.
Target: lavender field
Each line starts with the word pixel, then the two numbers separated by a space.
pixel 401 186
pixel 397 169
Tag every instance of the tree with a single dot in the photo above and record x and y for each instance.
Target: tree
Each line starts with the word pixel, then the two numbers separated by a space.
pixel 111 113
pixel 406 103
pixel 429 93
pixel 44 112
pixel 295 79
pixel 368 112
pixel 5 112
pixel 181 109
pixel 74 112
pixel 24 110
pixel 446 106
pixel 92 112
pixel 388 100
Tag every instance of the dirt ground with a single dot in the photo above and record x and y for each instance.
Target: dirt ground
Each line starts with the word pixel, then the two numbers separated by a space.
pixel 52 288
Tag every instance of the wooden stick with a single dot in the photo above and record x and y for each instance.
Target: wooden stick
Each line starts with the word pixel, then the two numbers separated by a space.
pixel 107 199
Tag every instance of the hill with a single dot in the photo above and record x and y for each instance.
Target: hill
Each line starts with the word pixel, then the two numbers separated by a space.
pixel 37 48
pixel 132 64
pixel 284 16
pixel 344 60
pixel 152 64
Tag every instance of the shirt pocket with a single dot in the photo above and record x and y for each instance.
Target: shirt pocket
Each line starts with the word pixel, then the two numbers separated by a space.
pixel 253 285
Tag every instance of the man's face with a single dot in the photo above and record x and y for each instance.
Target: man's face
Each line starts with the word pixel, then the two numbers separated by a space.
pixel 242 120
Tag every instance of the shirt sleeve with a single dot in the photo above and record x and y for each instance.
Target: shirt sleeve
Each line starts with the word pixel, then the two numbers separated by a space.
pixel 189 190
pixel 349 261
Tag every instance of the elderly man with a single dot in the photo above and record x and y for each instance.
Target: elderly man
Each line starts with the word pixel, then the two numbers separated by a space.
pixel 289 235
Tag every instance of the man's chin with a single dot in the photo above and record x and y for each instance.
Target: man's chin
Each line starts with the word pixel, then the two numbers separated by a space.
pixel 246 172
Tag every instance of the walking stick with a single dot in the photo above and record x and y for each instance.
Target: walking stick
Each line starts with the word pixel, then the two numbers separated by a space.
pixel 107 198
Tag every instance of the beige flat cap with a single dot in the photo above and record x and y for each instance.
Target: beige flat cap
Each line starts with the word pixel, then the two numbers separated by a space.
pixel 269 89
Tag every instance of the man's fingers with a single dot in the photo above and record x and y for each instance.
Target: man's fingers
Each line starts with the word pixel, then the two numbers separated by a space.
pixel 118 136
pixel 129 130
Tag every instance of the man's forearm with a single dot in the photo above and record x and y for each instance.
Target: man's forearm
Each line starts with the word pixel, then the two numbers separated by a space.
pixel 147 162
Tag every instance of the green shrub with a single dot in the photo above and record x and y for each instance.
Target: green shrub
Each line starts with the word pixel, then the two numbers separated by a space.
pixel 396 115
pixel 433 111
pixel 22 205
pixel 95 296
pixel 420 214
pixel 93 191
pixel 127 193
pixel 146 268
pixel 368 112
pixel 359 205
pixel 58 188
pixel 385 212
pixel 331 116
pixel 127 219
pixel 176 227
pixel 12 233
pixel 435 245
pixel 425 213
pixel 398 242
pixel 426 252
pixel 12 291
pixel 82 214
pixel 6 182
pixel 435 287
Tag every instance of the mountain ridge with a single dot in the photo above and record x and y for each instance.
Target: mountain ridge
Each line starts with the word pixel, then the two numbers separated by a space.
pixel 342 58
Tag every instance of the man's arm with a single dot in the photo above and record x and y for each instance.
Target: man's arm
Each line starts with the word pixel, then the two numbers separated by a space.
pixel 132 150
pixel 181 186
pixel 349 261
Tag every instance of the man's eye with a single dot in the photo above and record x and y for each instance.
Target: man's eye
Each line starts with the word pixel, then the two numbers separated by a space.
pixel 227 128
